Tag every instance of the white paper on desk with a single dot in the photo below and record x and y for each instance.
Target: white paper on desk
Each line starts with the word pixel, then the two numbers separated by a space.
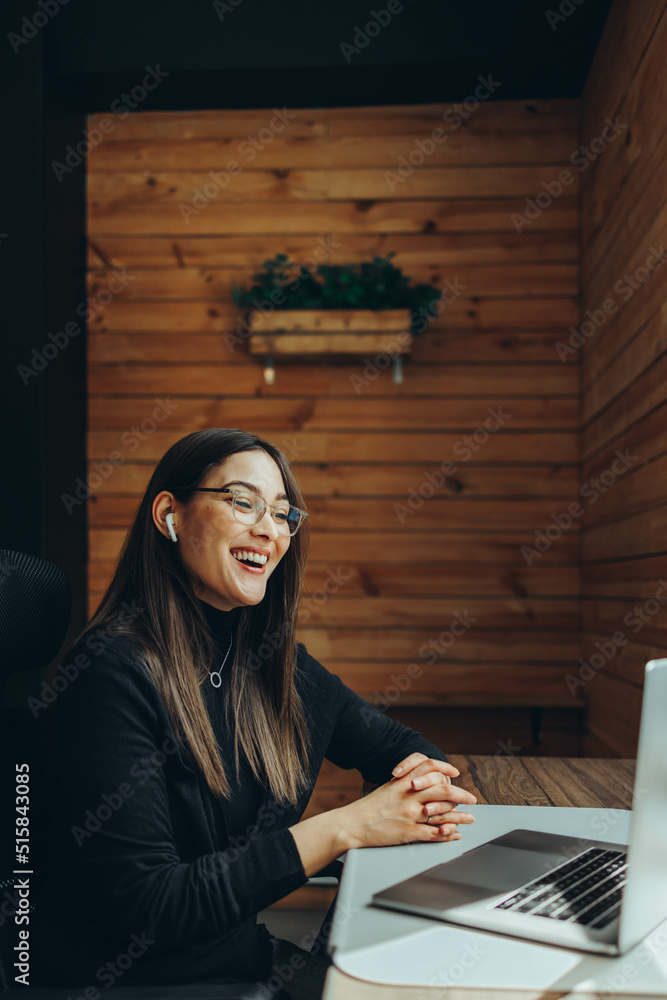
pixel 396 948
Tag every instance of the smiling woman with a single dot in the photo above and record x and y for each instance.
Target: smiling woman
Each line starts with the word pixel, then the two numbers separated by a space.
pixel 185 848
pixel 247 508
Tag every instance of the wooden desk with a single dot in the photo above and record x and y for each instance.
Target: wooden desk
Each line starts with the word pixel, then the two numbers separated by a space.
pixel 513 781
pixel 584 782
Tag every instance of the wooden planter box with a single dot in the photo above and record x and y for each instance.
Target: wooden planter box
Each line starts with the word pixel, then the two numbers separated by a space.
pixel 311 334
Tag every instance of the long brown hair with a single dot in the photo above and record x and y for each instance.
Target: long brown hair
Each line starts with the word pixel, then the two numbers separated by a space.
pixel 261 700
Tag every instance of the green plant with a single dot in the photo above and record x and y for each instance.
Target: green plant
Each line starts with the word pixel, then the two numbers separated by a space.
pixel 376 284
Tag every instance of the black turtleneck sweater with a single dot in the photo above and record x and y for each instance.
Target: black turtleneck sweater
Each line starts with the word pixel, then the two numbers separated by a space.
pixel 143 859
pixel 243 805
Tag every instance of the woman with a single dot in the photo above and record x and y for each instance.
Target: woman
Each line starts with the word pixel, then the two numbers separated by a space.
pixel 185 750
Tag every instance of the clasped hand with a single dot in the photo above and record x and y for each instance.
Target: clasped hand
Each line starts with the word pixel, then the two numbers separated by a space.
pixel 418 803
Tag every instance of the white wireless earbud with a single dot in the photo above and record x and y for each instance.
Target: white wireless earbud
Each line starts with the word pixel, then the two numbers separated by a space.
pixel 170 527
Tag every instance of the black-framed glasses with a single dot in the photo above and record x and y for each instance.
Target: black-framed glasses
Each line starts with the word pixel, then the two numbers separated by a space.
pixel 248 508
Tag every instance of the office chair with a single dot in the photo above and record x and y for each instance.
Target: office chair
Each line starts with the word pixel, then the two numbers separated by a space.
pixel 35 609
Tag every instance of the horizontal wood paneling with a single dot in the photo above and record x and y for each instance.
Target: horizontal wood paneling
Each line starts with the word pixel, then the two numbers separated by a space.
pixel 450 346
pixel 383 414
pixel 349 446
pixel 257 234
pixel 222 317
pixel 164 360
pixel 518 481
pixel 554 115
pixel 214 284
pixel 352 231
pixel 624 225
pixel 216 379
pixel 506 154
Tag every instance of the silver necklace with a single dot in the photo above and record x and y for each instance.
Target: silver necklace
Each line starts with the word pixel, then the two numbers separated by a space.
pixel 216 675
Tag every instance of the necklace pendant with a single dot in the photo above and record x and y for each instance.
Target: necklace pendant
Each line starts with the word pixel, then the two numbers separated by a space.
pixel 216 675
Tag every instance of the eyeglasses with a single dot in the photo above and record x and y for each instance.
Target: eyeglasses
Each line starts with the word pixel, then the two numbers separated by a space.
pixel 248 508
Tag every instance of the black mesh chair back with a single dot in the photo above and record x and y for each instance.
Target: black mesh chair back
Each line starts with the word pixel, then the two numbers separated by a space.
pixel 35 608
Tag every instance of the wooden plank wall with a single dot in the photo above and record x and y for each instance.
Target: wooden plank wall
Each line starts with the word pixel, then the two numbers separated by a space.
pixel 624 233
pixel 160 280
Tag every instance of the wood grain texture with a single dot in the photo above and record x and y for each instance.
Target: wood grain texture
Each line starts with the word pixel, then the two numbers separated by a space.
pixel 388 480
pixel 432 447
pixel 214 284
pixel 169 233
pixel 639 121
pixel 624 230
pixel 535 781
pixel 553 115
pixel 215 380
pixel 475 313
pixel 450 346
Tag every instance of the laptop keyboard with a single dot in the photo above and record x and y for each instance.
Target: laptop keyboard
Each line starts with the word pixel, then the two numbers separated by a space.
pixel 586 890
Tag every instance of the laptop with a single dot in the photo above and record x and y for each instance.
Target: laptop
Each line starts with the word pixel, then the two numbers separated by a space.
pixel 575 892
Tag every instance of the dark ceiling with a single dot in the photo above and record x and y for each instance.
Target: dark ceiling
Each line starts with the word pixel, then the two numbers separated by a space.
pixel 253 53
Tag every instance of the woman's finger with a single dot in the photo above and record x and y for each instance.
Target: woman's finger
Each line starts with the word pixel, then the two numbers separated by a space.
pixel 451 816
pixel 439 808
pixel 443 833
pixel 446 833
pixel 428 767
pixel 416 759
pixel 430 788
